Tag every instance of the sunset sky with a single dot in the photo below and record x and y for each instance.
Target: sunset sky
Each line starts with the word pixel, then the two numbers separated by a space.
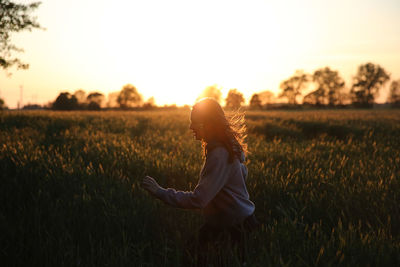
pixel 173 49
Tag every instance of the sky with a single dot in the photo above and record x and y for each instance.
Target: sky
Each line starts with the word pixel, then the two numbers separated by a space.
pixel 172 50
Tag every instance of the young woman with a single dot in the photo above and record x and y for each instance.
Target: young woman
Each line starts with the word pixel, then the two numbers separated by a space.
pixel 221 191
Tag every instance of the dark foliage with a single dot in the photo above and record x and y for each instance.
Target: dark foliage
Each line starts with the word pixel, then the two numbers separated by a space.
pixel 14 18
pixel 65 101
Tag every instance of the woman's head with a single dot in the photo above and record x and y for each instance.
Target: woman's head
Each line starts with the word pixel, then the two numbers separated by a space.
pixel 206 117
pixel 209 123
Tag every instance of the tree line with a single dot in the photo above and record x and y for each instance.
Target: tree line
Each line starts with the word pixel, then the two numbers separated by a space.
pixel 328 88
pixel 128 97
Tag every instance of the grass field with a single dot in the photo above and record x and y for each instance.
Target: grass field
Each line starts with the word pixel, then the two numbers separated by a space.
pixel 326 185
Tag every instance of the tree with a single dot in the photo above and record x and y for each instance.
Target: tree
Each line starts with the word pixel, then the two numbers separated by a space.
pixel 213 91
pixel 2 104
pixel 129 97
pixel 150 103
pixel 369 79
pixel 234 99
pixel 95 100
pixel 112 99
pixel 394 94
pixel 14 18
pixel 316 98
pixel 255 102
pixel 65 101
pixel 292 87
pixel 329 86
pixel 80 96
pixel 32 107
pixel 266 97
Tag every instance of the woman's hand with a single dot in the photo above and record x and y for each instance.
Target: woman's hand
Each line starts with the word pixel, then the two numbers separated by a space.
pixel 150 185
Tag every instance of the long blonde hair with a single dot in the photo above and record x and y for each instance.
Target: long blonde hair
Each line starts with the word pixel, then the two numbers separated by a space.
pixel 230 129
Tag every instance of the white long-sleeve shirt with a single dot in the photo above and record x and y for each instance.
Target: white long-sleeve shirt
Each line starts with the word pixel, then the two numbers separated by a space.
pixel 221 191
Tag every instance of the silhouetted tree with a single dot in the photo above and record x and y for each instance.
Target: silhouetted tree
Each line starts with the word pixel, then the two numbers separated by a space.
pixel 316 98
pixel 394 94
pixel 112 99
pixel 255 102
pixel 292 87
pixel 150 103
pixel 32 107
pixel 14 18
pixel 65 101
pixel 93 106
pixel 344 98
pixel 95 100
pixel 329 86
pixel 2 104
pixel 266 97
pixel 129 97
pixel 368 81
pixel 234 99
pixel 213 91
pixel 80 96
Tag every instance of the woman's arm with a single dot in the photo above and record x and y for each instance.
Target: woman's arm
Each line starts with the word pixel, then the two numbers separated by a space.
pixel 213 178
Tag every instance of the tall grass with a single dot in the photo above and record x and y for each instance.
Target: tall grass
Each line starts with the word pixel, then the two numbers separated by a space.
pixel 325 184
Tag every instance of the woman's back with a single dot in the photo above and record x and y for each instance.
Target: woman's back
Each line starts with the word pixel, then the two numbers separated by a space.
pixel 231 204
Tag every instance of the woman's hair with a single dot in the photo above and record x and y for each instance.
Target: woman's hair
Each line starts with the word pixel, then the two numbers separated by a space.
pixel 230 130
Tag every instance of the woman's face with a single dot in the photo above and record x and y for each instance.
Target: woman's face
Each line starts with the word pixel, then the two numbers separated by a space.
pixel 197 126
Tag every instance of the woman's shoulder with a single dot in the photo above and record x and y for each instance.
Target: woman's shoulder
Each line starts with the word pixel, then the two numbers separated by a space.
pixel 217 148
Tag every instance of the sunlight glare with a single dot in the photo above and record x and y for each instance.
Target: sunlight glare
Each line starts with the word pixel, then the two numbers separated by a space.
pixel 174 55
